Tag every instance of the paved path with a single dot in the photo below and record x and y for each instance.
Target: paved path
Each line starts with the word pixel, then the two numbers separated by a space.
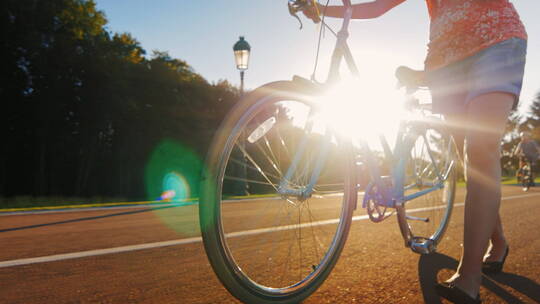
pixel 155 256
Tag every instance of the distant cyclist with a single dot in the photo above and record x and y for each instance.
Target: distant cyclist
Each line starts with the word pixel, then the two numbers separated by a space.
pixel 528 151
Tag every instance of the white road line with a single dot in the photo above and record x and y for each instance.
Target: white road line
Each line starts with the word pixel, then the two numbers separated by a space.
pixel 81 254
pixel 89 253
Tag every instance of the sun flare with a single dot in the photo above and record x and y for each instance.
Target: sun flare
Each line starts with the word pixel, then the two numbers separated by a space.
pixel 363 109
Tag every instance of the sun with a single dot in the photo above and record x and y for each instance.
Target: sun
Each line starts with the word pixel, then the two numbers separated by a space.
pixel 363 109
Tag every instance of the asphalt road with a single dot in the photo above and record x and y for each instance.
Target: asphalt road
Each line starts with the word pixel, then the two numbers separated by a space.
pixel 143 255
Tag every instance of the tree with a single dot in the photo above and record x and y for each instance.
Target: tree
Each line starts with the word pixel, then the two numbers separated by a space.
pixel 45 43
pixel 85 109
pixel 508 162
pixel 532 123
pixel 517 124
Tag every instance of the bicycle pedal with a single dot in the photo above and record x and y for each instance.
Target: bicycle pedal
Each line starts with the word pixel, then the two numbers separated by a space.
pixel 422 245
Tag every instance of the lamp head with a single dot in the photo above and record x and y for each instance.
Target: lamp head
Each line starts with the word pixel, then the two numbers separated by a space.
pixel 241 54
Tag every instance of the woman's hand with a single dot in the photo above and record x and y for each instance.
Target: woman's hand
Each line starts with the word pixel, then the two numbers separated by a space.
pixel 313 11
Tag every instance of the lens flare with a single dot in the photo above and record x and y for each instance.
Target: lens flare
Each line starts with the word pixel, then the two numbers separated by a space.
pixel 167 195
pixel 175 188
pixel 172 174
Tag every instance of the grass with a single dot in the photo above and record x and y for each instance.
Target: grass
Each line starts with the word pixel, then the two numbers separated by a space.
pixel 7 204
pixel 505 180
pixel 513 181
pixel 44 203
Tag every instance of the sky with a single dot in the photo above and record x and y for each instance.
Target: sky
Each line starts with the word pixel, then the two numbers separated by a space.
pixel 203 33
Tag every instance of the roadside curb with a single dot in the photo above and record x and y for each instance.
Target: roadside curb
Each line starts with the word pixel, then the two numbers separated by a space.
pixel 183 202
pixel 99 205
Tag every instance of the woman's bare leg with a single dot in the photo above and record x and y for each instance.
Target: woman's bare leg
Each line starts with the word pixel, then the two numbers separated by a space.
pixel 498 244
pixel 487 116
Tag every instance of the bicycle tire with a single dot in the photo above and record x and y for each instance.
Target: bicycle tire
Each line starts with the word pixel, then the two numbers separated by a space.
pixel 251 273
pixel 423 220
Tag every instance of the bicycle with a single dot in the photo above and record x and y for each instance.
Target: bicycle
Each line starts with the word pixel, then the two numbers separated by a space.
pixel 279 243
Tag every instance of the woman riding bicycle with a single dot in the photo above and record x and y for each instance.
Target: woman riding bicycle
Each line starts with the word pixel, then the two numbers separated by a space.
pixel 474 69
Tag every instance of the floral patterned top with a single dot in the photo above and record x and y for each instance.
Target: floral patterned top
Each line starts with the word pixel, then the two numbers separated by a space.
pixel 460 28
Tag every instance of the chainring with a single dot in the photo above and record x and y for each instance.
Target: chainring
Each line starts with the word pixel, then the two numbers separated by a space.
pixel 374 204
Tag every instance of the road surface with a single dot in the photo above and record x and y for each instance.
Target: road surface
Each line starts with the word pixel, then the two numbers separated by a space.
pixel 143 255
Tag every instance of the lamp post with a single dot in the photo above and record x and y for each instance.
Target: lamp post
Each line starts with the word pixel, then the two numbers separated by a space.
pixel 241 56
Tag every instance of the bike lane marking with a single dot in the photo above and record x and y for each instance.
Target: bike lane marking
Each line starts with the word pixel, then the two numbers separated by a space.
pixel 97 252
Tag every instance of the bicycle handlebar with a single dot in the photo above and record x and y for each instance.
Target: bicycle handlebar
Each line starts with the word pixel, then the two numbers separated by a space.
pixel 341 50
pixel 296 6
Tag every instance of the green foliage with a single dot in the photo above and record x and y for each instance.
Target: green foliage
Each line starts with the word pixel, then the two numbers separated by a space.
pixel 509 162
pixel 84 107
pixel 516 125
pixel 532 123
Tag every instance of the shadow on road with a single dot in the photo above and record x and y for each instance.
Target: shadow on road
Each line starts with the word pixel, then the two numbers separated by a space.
pixel 521 284
pixel 430 265
pixel 90 218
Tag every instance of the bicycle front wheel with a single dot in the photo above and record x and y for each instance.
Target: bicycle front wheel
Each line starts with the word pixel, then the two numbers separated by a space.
pixel 267 246
pixel 429 185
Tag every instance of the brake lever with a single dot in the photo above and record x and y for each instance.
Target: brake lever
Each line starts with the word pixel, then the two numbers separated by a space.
pixel 293 10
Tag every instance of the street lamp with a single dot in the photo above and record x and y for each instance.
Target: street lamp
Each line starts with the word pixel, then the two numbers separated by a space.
pixel 241 55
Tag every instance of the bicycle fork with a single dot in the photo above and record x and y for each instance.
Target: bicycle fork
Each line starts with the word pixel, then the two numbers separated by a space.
pixel 302 192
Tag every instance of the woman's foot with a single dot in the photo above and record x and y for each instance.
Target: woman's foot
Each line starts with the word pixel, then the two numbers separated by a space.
pixel 496 266
pixel 455 295
pixel 468 285
pixel 496 252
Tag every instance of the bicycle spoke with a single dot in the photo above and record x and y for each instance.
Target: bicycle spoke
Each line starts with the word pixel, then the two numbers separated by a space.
pixel 267 143
pixel 253 168
pixel 257 166
pixel 271 161
pixel 248 180
pixel 428 155
pixel 287 234
pixel 317 242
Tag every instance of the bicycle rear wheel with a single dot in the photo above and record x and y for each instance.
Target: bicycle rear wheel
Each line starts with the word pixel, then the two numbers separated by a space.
pixel 266 247
pixel 430 171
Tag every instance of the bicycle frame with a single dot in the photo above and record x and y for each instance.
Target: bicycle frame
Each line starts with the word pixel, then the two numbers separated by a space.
pixel 394 196
pixel 292 239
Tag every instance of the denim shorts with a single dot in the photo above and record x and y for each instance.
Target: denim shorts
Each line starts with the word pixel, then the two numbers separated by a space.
pixel 498 68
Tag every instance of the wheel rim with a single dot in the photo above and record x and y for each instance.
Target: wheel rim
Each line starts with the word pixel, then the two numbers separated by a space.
pixel 428 215
pixel 278 245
